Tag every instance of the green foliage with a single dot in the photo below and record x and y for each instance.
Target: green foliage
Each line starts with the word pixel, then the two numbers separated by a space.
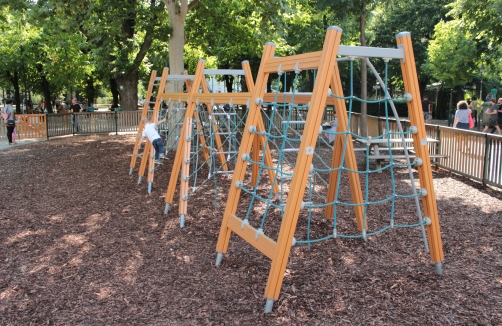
pixel 480 18
pixel 451 53
pixel 418 18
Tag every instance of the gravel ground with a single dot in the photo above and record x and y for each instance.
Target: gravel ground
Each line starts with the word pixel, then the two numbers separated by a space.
pixel 83 244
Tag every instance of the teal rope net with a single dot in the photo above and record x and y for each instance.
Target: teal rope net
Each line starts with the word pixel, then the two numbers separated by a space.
pixel 284 128
pixel 174 113
pixel 226 124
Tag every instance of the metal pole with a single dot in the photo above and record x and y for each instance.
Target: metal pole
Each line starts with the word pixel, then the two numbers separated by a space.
pixel 47 125
pixel 481 90
pixel 485 163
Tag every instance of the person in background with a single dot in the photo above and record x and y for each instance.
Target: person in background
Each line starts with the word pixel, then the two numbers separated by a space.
pixel 494 93
pixel 493 112
pixel 499 115
pixel 488 97
pixel 91 107
pixel 75 108
pixel 475 107
pixel 427 109
pixel 8 115
pixel 462 116
pixel 150 131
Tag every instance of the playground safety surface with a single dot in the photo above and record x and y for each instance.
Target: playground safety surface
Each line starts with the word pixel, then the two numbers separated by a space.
pixel 81 243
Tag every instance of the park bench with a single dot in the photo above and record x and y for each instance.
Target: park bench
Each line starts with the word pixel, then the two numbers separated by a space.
pixel 378 145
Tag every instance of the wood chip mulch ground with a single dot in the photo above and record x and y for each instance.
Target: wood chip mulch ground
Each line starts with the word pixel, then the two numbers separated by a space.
pixel 81 243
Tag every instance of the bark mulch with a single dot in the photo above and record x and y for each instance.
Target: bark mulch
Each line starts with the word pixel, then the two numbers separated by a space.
pixel 81 243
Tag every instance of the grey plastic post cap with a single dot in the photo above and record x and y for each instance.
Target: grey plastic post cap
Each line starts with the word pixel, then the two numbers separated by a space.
pixel 335 27
pixel 202 60
pixel 245 61
pixel 270 43
pixel 403 34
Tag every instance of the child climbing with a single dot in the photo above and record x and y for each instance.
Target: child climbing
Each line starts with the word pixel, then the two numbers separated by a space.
pixel 330 130
pixel 150 131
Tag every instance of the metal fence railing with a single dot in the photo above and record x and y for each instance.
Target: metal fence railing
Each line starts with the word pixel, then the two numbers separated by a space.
pixel 470 153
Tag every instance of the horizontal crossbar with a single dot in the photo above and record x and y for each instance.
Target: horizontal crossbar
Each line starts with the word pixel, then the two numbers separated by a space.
pixel 233 72
pixel 387 157
pixel 263 243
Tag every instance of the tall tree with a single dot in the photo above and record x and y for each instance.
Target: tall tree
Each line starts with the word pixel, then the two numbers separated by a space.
pixel 178 10
pixel 118 36
pixel 450 55
pixel 359 10
pixel 418 18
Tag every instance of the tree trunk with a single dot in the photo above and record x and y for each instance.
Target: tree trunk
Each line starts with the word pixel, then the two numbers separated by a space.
pixel 90 90
pixel 177 15
pixel 364 75
pixel 177 18
pixel 17 92
pixel 46 89
pixel 115 92
pixel 128 88
pixel 229 83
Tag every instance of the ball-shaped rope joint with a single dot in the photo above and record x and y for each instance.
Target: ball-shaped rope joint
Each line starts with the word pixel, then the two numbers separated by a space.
pixel 252 129
pixel 330 92
pixel 188 138
pixel 187 160
pixel 423 192
pixel 186 178
pixel 184 197
pixel 320 130
pixel 414 130
pixel 418 161
pixel 239 184
pixel 311 168
pixel 293 242
pixel 259 101
pixel 245 157
pixel 408 97
pixel 427 220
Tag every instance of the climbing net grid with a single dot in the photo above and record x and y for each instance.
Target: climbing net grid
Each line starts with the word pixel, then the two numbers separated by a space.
pixel 213 139
pixel 311 177
pixel 164 107
pixel 210 137
pixel 283 137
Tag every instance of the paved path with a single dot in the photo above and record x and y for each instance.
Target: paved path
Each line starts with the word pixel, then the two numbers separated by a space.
pixel 4 143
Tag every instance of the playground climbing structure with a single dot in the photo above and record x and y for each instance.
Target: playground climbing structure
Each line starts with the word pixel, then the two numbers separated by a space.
pixel 212 127
pixel 298 167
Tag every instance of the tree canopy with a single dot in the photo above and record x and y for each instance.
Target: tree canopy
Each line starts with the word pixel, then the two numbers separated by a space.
pixel 54 47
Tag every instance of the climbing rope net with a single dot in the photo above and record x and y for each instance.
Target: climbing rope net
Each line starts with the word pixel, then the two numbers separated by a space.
pixel 283 133
pixel 174 113
pixel 214 144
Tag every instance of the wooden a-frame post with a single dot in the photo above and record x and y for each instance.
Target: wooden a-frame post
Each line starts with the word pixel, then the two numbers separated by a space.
pixel 279 251
pixel 181 154
pixel 144 113
pixel 421 148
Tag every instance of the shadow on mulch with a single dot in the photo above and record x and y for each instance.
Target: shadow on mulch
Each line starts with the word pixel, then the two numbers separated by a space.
pixel 83 243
